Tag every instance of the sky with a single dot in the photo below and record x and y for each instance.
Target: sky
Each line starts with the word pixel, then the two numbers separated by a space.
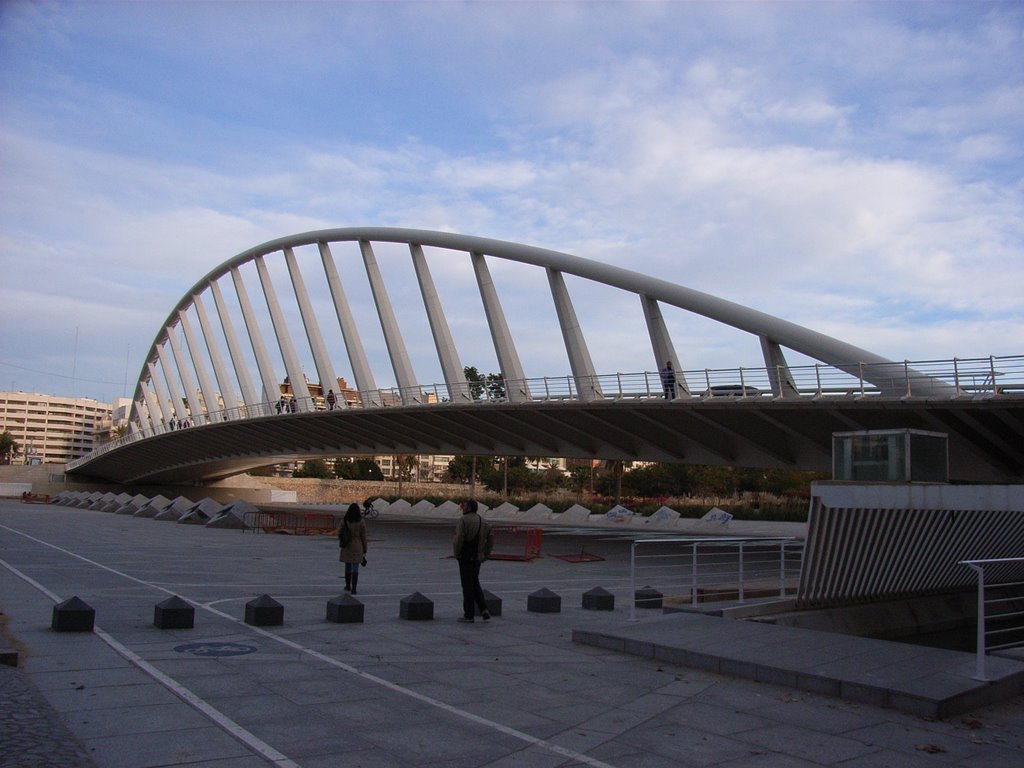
pixel 856 168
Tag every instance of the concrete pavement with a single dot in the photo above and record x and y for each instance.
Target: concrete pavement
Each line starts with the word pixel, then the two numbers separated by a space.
pixel 389 692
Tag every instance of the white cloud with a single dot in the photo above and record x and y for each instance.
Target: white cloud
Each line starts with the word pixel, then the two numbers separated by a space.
pixel 873 196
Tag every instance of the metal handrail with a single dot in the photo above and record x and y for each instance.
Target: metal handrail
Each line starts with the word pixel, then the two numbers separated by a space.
pixel 987 377
pixel 981 650
pixel 682 566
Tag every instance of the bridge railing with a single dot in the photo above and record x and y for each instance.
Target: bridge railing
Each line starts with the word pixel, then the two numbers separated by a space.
pixel 1000 619
pixel 987 377
pixel 697 569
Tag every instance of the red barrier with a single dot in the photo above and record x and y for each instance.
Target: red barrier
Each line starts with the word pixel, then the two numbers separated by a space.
pixel 291 523
pixel 512 538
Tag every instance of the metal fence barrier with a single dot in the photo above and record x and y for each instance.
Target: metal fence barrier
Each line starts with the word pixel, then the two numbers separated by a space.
pixel 1000 606
pixel 293 523
pixel 693 570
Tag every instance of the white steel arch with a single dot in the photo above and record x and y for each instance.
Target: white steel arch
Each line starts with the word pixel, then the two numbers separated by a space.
pixel 157 379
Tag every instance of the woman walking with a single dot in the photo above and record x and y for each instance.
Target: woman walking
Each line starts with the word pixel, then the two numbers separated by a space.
pixel 352 540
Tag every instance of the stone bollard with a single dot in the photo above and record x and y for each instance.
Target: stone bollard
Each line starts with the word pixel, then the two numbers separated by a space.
pixel 647 597
pixel 493 603
pixel 174 613
pixel 544 601
pixel 73 615
pixel 416 607
pixel 264 611
pixel 345 609
pixel 598 599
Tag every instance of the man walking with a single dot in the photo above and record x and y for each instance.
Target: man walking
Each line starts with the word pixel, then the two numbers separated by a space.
pixel 472 544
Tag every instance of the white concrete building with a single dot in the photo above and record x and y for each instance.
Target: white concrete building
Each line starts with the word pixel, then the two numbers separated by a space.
pixel 54 430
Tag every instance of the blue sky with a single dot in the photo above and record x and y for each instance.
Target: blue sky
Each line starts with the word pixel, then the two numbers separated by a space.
pixel 857 168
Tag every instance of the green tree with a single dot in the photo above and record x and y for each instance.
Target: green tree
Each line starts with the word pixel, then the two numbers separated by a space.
pixel 348 468
pixel 490 386
pixel 579 477
pixel 9 449
pixel 313 468
pixel 460 469
pixel 650 480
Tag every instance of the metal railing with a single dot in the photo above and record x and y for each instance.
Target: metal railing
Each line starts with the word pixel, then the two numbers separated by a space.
pixel 988 377
pixel 692 570
pixel 1000 607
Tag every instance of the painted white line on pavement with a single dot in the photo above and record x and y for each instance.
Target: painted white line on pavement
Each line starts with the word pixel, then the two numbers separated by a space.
pixel 499 727
pixel 247 738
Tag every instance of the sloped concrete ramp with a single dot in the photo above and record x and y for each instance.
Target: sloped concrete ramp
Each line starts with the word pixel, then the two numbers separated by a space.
pixel 928 682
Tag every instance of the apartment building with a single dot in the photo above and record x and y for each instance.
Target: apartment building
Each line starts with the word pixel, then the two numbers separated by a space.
pixel 54 430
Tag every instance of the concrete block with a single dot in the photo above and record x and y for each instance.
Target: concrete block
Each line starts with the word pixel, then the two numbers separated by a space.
pixel 416 607
pixel 8 657
pixel 133 505
pixel 448 509
pixel 103 501
pixel 116 503
pixel 648 597
pixel 538 513
pixel 574 514
pixel 493 603
pixel 544 601
pixel 399 507
pixel 202 512
pixel 153 507
pixel 422 507
pixel 73 615
pixel 598 599
pixel 264 611
pixel 174 613
pixel 345 609
pixel 618 515
pixel 233 515
pixel 504 511
pixel 662 516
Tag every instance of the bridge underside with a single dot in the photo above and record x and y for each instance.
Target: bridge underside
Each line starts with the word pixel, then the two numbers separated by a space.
pixel 986 437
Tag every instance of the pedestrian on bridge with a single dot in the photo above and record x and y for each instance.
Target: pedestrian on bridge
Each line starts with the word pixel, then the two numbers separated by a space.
pixel 473 542
pixel 352 540
pixel 668 380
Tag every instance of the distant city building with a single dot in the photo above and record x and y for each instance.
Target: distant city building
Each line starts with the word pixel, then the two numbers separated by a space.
pixel 55 430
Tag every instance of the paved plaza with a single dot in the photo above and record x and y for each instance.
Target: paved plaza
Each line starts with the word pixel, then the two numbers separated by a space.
pixel 389 692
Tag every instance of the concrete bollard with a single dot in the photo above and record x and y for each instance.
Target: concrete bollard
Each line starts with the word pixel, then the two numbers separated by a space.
pixel 544 601
pixel 647 597
pixel 598 599
pixel 345 609
pixel 174 613
pixel 73 615
pixel 264 611
pixel 416 607
pixel 493 603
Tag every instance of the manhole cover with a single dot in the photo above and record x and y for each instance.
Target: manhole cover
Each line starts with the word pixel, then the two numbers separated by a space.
pixel 216 649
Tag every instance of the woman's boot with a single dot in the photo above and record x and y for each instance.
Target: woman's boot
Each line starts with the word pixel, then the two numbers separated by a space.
pixel 348 581
pixel 355 580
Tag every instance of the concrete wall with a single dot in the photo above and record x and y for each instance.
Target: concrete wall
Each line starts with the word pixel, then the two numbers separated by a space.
pixel 938 496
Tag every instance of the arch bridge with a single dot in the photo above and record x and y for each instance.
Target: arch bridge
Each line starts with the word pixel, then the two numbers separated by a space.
pixel 200 414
